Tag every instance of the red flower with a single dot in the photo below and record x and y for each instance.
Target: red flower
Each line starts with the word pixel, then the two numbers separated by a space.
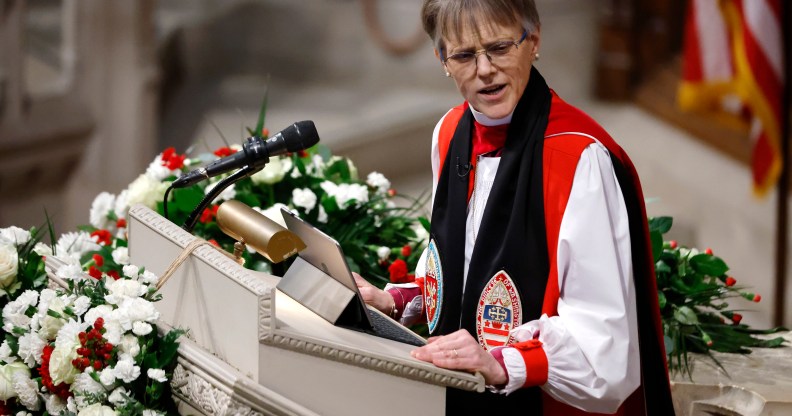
pixel 757 298
pixel 103 237
pixel 114 274
pixel 708 251
pixel 95 273
pixel 398 272
pixel 62 389
pixel 302 153
pixel 98 259
pixel 391 192
pixel 214 242
pixel 172 160
pixel 673 244
pixel 265 132
pixel 406 250
pixel 224 151
pixel 736 318
pixel 730 281
pixel 208 214
pixel 121 223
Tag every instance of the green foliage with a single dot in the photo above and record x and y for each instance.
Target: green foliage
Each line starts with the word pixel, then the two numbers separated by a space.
pixel 693 290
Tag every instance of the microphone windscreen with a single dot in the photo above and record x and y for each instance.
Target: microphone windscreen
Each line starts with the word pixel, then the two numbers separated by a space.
pixel 300 136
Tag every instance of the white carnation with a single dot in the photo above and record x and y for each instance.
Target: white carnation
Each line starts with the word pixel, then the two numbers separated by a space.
pixel 27 390
pixel 130 345
pixel 75 244
pixel 121 255
pixel 84 383
pixel 119 396
pixel 54 404
pixel 131 271
pixel 14 236
pixel 141 328
pixel 304 198
pixel 147 191
pixel 227 194
pixel 30 348
pixel 123 288
pixel 107 377
pixel 7 373
pixel 322 217
pixel 122 204
pixel 157 171
pixel 126 370
pixel 97 409
pixel 101 311
pixel 383 253
pixel 71 271
pixel 6 355
pixel 148 278
pixel 100 209
pixel 157 374
pixel 81 305
pixel 378 181
pixel 14 312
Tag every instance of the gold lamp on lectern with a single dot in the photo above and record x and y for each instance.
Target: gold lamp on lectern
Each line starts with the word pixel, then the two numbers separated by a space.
pixel 254 229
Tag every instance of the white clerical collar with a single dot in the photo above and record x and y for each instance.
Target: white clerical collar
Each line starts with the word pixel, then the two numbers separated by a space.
pixel 490 122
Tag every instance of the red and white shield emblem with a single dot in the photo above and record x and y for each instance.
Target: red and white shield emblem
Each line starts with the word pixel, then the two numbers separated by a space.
pixel 499 311
pixel 433 287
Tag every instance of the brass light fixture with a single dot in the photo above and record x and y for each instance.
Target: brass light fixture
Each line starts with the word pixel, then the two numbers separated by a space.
pixel 249 227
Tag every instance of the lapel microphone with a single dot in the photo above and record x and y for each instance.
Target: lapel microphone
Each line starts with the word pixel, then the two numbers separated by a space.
pixel 463 168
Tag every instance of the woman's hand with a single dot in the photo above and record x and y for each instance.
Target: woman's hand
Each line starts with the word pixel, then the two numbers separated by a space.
pixel 373 296
pixel 459 351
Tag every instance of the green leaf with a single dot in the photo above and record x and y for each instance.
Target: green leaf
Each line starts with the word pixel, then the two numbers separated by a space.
pixel 686 315
pixel 708 264
pixel 186 199
pixel 657 244
pixel 660 224
pixel 662 299
pixel 262 111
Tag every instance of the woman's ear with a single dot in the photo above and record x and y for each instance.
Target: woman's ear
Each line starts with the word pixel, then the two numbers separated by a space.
pixel 536 37
pixel 437 53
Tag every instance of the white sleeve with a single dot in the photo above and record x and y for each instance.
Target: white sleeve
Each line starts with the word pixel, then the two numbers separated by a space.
pixel 592 345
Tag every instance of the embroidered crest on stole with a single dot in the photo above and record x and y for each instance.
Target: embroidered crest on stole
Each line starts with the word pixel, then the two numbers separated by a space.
pixel 499 311
pixel 433 286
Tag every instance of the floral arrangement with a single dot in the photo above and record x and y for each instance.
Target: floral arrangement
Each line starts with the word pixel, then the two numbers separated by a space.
pixel 88 347
pixel 694 292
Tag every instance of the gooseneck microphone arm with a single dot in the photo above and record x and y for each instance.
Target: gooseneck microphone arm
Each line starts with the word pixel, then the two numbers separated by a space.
pixel 235 177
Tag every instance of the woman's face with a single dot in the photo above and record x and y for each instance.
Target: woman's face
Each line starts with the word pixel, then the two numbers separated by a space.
pixel 492 88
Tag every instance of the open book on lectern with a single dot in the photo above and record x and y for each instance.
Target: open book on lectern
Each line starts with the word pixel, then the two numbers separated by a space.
pixel 320 280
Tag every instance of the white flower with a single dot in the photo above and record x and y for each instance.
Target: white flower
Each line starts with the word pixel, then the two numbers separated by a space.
pixel 126 370
pixel 157 374
pixel 130 345
pixel 26 389
pixel 304 198
pixel 139 309
pixel 141 328
pixel 7 373
pixel 101 311
pixel 317 165
pixel 148 278
pixel 84 383
pixel 421 234
pixel 131 271
pixel 81 305
pixel 149 412
pixel 14 312
pixel 50 325
pixel 147 191
pixel 42 249
pixel 14 236
pixel 383 253
pixel 5 353
pixel 274 213
pixel 378 181
pixel 97 409
pixel 119 396
pixel 24 413
pixel 9 265
pixel 322 217
pixel 273 172
pixel 30 347
pixel 100 209
pixel 71 271
pixel 157 170
pixel 122 204
pixel 73 245
pixel 54 404
pixel 346 193
pixel 121 255
pixel 60 366
pixel 123 288
pixel 107 377
pixel 67 337
pixel 227 194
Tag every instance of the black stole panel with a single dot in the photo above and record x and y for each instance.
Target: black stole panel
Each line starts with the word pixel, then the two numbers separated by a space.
pixel 512 235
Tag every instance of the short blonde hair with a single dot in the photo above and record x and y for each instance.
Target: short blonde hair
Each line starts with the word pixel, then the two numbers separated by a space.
pixel 445 19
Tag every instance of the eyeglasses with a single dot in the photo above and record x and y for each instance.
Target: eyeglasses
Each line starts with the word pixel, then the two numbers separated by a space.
pixel 498 54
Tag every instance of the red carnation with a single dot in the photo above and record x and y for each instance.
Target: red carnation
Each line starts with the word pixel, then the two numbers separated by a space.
pixel 757 298
pixel 406 250
pixel 172 160
pixel 224 151
pixel 730 281
pixel 95 273
pixel 265 132
pixel 213 242
pixel 398 271
pixel 114 274
pixel 673 244
pixel 302 153
pixel 98 259
pixel 208 214
pixel 391 192
pixel 103 237
pixel 62 389
pixel 736 318
pixel 121 223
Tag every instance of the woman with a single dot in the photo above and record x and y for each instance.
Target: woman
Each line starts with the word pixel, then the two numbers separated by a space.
pixel 538 274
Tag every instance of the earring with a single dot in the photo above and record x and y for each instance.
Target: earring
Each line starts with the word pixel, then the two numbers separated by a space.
pixel 448 74
pixel 536 56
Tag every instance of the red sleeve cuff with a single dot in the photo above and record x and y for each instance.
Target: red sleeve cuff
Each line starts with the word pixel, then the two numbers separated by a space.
pixel 535 362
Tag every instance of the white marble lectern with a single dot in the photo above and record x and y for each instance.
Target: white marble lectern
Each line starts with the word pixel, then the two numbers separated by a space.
pixel 254 350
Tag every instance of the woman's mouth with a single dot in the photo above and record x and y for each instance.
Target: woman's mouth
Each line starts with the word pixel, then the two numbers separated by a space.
pixel 492 90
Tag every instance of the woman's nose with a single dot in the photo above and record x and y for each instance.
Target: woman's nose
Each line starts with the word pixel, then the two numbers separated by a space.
pixel 484 65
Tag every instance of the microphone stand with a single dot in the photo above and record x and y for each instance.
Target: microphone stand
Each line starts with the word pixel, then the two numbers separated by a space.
pixel 235 177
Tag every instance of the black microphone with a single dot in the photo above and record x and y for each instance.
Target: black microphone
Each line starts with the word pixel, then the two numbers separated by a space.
pixel 256 152
pixel 463 169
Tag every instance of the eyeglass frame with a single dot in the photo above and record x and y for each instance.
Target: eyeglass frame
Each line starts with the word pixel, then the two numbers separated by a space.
pixel 484 51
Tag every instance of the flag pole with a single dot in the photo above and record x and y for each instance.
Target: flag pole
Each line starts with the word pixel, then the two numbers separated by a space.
pixel 782 217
